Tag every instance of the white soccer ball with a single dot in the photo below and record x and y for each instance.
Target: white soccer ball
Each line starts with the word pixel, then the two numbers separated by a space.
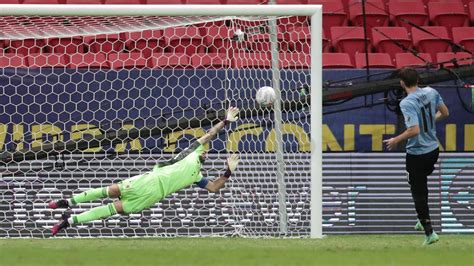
pixel 265 96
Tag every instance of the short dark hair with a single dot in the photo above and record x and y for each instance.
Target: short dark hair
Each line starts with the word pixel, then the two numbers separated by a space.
pixel 409 76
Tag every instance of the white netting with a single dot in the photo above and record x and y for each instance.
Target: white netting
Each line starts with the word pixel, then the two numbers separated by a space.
pixel 121 93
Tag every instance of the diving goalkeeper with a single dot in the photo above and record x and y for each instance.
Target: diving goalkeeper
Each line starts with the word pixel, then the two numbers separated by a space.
pixel 143 191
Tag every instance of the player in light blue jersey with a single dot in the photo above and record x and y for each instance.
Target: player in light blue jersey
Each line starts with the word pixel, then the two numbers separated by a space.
pixel 421 109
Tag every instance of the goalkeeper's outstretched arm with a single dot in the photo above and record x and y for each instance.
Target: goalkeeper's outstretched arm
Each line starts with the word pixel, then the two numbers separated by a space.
pixel 217 184
pixel 231 116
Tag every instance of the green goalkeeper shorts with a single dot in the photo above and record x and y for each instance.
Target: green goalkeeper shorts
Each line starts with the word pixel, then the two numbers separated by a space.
pixel 139 192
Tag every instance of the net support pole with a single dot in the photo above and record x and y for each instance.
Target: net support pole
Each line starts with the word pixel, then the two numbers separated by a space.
pixel 316 126
pixel 278 127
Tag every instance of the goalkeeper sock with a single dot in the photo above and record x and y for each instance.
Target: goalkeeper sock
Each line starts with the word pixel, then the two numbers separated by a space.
pixel 96 213
pixel 89 195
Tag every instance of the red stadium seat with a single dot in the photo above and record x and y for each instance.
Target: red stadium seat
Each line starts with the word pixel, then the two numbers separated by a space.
pixel 410 10
pixel 244 2
pixel 337 60
pixel 259 43
pixel 25 47
pixel 88 60
pixel 448 14
pixel 462 59
pixel 40 2
pixel 11 1
pixel 184 40
pixel 170 60
pixel 46 60
pixel 471 12
pixel 105 43
pixel 213 60
pixel 127 60
pixel 376 15
pixel 384 37
pixel 348 39
pixel 295 60
pixel 12 60
pixel 292 2
pixel 464 36
pixel 146 42
pixel 376 60
pixel 84 2
pixel 299 40
pixel 69 45
pixel 258 60
pixel 410 60
pixel 164 2
pixel 431 43
pixel 334 14
pixel 219 40
pixel 203 2
pixel 122 2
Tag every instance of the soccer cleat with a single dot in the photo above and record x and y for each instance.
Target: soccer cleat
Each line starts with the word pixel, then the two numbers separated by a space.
pixel 431 239
pixel 63 224
pixel 58 204
pixel 419 226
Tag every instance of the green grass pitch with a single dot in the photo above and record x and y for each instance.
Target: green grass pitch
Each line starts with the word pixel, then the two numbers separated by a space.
pixel 332 250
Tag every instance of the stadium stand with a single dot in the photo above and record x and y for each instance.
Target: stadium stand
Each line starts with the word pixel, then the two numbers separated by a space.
pixel 410 10
pixel 389 39
pixel 170 60
pixel 374 10
pixel 88 60
pixel 46 60
pixel 462 59
pixel 42 2
pixel 294 60
pixel 84 2
pixel 348 39
pixel 334 14
pixel 217 60
pixel 337 60
pixel 12 60
pixel 147 42
pixel 376 60
pixel 409 59
pixel 183 40
pixel 434 42
pixel 448 20
pixel 127 60
pixel 26 46
pixel 105 43
pixel 448 14
pixel 66 45
pixel 464 36
pixel 258 59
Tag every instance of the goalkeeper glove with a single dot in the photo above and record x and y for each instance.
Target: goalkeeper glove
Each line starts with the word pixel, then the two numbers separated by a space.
pixel 232 115
pixel 232 163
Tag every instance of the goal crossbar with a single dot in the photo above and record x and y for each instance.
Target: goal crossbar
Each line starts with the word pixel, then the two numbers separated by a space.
pixel 159 10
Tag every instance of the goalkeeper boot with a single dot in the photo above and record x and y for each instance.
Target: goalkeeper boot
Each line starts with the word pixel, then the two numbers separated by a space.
pixel 431 239
pixel 63 224
pixel 58 204
pixel 419 226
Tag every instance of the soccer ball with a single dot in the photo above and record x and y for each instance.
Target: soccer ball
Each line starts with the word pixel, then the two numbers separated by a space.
pixel 265 96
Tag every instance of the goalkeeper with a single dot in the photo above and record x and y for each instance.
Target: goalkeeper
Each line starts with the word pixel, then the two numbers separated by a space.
pixel 143 191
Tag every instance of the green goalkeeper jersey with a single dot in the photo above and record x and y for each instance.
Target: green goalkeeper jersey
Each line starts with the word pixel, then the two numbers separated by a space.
pixel 181 171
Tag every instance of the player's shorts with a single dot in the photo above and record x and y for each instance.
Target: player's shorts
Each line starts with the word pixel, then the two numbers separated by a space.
pixel 139 192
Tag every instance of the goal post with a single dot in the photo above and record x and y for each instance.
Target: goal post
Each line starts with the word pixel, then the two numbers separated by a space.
pixel 135 19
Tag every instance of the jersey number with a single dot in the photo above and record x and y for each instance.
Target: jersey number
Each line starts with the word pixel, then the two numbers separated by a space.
pixel 426 109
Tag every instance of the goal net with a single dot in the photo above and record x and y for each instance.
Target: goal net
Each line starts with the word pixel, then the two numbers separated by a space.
pixel 88 101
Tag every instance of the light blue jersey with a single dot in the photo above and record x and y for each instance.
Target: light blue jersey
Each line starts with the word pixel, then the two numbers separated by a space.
pixel 419 108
